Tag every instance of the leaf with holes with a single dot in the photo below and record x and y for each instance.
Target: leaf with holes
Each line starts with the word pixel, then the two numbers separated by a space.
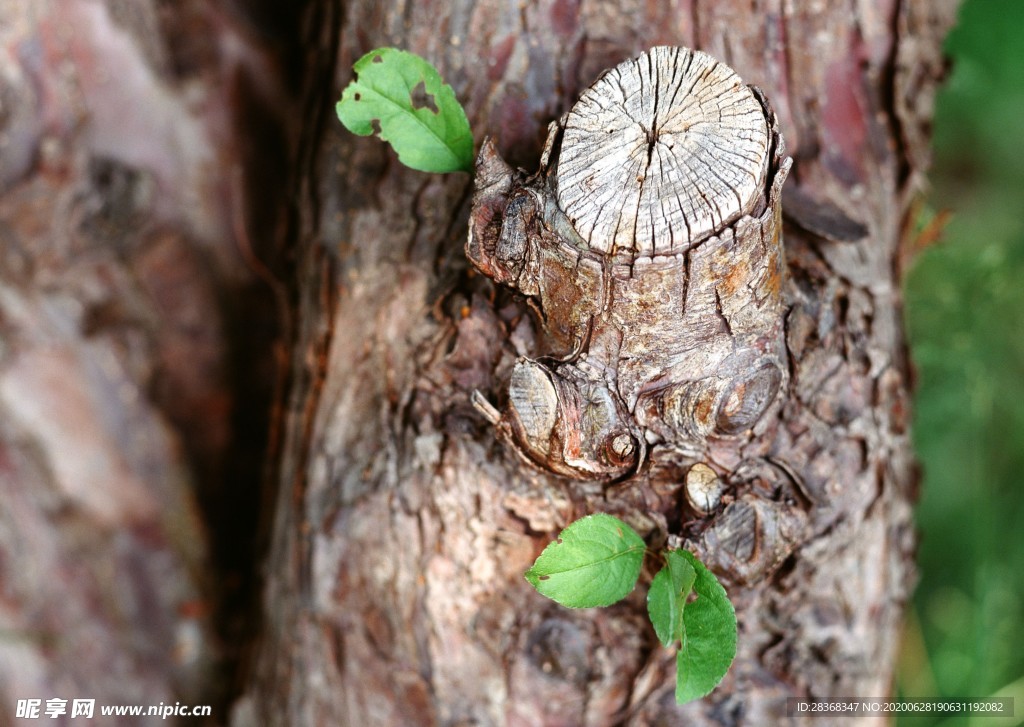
pixel 708 637
pixel 594 562
pixel 667 596
pixel 402 98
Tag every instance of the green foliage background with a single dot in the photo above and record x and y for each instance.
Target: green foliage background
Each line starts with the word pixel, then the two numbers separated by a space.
pixel 965 314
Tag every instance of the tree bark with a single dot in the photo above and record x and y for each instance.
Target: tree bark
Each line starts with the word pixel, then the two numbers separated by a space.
pixel 143 156
pixel 403 526
pixel 183 224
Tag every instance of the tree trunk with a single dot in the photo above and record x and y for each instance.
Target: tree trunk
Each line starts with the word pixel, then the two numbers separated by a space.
pixel 184 224
pixel 143 159
pixel 404 525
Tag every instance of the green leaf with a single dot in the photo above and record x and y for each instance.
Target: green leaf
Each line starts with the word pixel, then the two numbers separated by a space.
pixel 709 638
pixel 667 597
pixel 426 126
pixel 594 562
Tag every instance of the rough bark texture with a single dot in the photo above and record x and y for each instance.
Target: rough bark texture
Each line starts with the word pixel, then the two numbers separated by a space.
pixel 159 160
pixel 649 243
pixel 136 369
pixel 403 528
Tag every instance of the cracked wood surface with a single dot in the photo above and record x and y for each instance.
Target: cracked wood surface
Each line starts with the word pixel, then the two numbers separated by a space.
pixel 667 144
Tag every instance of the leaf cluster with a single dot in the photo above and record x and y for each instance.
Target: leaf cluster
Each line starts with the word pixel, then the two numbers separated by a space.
pixel 596 562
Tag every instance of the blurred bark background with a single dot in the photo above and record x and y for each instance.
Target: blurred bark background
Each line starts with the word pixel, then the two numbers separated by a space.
pixel 238 343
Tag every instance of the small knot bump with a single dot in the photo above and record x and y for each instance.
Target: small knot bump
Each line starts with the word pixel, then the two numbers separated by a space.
pixel 533 404
pixel 703 489
pixel 620 448
pixel 747 399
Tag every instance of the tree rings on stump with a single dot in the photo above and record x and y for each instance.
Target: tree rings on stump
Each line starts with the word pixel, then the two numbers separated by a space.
pixel 662 152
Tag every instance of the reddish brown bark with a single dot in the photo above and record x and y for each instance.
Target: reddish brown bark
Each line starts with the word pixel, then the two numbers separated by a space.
pixel 136 372
pixel 402 530
pixel 172 186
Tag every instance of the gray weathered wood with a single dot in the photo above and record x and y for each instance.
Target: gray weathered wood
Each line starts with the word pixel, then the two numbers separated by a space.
pixel 661 152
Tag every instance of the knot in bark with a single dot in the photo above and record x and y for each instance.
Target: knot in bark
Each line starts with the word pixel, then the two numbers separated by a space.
pixel 650 242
